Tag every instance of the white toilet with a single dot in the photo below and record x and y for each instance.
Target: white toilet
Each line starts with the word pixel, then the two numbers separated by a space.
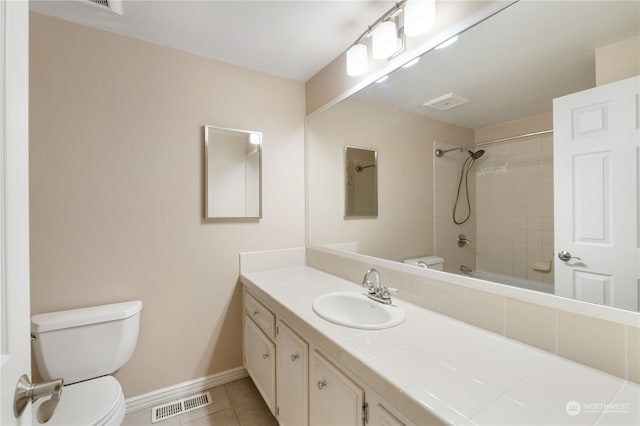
pixel 82 346
pixel 431 262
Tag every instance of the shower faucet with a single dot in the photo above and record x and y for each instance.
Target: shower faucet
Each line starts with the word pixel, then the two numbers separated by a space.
pixel 462 240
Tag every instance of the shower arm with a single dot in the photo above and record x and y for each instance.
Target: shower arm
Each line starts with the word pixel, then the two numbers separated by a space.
pixel 440 152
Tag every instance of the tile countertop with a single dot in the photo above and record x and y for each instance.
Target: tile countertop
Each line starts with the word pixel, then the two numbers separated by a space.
pixel 434 365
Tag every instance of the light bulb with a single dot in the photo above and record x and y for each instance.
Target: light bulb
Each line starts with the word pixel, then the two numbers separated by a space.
pixel 357 61
pixel 419 17
pixel 384 40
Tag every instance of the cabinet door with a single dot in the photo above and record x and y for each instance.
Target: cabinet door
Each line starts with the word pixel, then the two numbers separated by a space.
pixel 260 362
pixel 334 399
pixel 292 360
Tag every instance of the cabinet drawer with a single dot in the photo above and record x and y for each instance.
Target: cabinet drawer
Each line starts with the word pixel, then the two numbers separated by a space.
pixel 262 316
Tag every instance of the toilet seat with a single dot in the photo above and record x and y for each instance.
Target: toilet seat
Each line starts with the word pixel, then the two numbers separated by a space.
pixel 96 402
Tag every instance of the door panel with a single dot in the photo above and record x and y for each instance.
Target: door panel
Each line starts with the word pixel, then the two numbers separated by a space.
pixel 292 374
pixel 334 399
pixel 15 347
pixel 260 361
pixel 596 181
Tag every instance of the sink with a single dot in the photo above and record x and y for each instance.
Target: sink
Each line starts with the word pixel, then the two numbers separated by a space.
pixel 356 310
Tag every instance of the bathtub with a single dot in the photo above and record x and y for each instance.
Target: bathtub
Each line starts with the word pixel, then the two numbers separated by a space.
pixel 512 281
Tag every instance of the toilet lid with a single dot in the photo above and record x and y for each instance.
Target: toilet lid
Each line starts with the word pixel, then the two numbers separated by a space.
pixel 91 402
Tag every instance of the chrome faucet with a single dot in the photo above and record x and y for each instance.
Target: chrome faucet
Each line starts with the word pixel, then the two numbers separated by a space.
pixel 372 286
pixel 377 291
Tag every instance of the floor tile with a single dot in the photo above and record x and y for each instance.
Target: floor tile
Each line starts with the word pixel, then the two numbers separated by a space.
pixel 234 404
pixel 225 417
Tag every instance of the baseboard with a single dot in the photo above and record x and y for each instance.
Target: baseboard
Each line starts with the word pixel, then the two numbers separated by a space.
pixel 181 390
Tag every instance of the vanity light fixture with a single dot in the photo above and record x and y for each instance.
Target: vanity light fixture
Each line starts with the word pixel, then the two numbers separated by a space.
pixel 357 61
pixel 419 17
pixel 388 33
pixel 384 40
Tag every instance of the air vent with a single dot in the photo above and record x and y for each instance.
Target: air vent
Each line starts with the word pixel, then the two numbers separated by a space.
pixel 175 408
pixel 445 102
pixel 114 6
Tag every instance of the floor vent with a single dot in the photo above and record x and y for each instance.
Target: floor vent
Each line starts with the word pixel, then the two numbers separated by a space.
pixel 114 6
pixel 172 409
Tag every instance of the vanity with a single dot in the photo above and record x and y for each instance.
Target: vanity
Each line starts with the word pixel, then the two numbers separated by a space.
pixel 430 369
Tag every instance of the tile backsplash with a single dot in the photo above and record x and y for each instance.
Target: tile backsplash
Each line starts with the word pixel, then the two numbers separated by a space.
pixel 608 340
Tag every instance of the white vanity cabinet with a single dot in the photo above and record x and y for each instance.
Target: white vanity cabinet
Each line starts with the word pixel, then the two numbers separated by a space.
pixel 259 349
pixel 334 399
pixel 292 377
pixel 299 384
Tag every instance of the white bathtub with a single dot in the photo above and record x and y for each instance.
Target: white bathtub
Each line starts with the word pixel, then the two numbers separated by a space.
pixel 512 281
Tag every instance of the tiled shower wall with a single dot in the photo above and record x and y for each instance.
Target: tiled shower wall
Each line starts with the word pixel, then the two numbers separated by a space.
pixel 514 209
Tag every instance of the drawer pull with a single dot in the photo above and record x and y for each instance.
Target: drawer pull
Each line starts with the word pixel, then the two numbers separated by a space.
pixel 322 384
pixel 294 357
pixel 255 313
pixel 265 355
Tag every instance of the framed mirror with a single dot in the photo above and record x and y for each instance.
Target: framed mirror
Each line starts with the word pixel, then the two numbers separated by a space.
pixel 232 166
pixel 361 182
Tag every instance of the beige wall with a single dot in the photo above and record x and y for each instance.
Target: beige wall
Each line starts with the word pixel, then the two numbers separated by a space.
pixel 618 61
pixel 116 191
pixel 404 142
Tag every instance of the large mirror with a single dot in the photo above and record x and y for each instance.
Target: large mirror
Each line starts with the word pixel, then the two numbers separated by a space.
pixel 232 173
pixel 490 91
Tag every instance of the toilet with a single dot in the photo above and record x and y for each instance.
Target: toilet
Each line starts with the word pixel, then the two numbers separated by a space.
pixel 431 262
pixel 82 346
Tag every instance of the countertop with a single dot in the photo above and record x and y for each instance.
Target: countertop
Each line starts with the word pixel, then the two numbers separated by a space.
pixel 433 365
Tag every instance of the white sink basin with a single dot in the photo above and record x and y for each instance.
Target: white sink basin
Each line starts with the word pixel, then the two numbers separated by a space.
pixel 356 310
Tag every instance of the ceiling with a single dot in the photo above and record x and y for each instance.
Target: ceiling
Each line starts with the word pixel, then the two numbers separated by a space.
pixel 291 39
pixel 513 64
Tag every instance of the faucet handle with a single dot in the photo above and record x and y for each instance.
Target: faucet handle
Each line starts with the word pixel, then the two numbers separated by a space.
pixel 371 288
pixel 386 292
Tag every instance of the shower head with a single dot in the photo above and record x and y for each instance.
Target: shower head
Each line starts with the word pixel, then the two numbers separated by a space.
pixel 475 155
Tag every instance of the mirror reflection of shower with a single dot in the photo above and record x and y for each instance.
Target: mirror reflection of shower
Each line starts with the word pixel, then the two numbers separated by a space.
pixel 464 175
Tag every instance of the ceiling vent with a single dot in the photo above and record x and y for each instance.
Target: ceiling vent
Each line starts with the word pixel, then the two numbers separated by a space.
pixel 114 6
pixel 445 102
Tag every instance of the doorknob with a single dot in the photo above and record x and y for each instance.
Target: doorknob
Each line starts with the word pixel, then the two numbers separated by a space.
pixel 27 392
pixel 566 256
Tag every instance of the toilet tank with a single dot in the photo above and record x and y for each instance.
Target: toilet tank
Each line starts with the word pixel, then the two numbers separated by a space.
pixel 81 344
pixel 432 262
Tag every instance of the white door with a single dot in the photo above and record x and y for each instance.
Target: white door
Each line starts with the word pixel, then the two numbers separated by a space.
pixel 14 205
pixel 596 181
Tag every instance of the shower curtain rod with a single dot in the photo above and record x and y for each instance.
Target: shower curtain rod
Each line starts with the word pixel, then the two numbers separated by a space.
pixel 440 152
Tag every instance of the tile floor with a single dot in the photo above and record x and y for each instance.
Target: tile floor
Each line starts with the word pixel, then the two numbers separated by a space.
pixel 235 404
